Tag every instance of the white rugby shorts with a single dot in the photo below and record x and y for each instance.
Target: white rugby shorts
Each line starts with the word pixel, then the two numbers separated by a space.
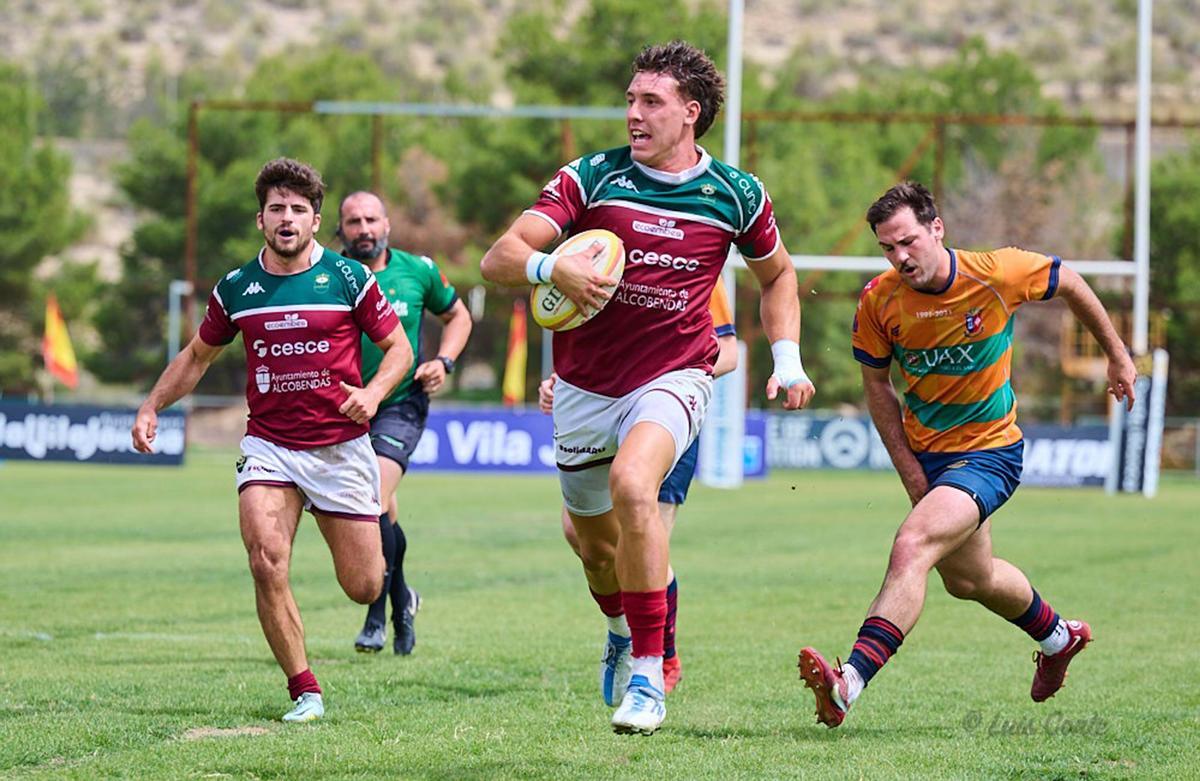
pixel 588 429
pixel 340 480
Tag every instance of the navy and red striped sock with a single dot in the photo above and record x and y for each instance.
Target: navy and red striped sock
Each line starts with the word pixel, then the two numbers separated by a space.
pixel 878 639
pixel 1039 621
pixel 646 612
pixel 303 682
pixel 669 628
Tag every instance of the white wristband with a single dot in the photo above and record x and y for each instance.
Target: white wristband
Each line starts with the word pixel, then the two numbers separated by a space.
pixel 538 267
pixel 788 368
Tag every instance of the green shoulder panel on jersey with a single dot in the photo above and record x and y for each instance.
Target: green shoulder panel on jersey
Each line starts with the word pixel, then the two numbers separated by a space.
pixel 593 169
pixel 332 280
pixel 747 190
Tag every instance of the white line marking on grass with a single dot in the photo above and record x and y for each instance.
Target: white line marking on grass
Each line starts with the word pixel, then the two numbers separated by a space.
pixel 27 634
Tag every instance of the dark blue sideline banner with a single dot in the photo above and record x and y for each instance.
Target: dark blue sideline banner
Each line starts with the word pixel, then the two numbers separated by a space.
pixel 502 440
pixel 85 434
pixel 1054 455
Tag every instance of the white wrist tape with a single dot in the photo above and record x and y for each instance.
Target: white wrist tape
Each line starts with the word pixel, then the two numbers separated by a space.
pixel 537 268
pixel 788 368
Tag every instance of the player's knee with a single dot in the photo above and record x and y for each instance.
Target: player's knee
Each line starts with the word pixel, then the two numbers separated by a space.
pixel 363 587
pixel 598 557
pixel 268 564
pixel 910 550
pixel 634 494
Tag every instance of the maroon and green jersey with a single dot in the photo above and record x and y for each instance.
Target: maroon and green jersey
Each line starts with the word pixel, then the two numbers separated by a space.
pixel 677 229
pixel 302 337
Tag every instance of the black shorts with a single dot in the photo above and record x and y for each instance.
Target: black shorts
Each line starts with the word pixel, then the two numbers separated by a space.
pixel 396 428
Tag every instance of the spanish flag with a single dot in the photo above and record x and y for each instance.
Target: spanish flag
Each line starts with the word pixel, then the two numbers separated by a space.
pixel 56 346
pixel 514 367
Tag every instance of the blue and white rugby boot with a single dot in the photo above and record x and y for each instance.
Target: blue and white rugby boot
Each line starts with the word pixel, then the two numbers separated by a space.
pixel 616 666
pixel 308 707
pixel 642 710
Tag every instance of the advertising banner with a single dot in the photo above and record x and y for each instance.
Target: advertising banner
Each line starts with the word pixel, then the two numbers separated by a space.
pixel 85 434
pixel 500 440
pixel 1054 455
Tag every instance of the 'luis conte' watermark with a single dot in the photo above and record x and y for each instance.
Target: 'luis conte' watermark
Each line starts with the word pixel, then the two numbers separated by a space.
pixel 980 722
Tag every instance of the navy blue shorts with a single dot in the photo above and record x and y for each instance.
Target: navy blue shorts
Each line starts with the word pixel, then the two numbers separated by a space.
pixel 674 489
pixel 989 476
pixel 396 428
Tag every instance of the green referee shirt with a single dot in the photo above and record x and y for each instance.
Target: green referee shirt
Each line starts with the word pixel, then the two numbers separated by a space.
pixel 413 283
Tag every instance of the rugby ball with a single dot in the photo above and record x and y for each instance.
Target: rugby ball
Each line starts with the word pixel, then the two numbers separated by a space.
pixel 556 312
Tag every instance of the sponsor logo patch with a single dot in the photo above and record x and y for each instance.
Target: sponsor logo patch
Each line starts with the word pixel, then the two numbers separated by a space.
pixel 624 181
pixel 662 260
pixel 348 273
pixel 665 228
pixel 290 320
pixel 262 347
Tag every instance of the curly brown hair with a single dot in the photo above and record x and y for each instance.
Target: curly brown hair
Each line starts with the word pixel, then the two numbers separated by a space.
pixel 698 77
pixel 906 194
pixel 291 175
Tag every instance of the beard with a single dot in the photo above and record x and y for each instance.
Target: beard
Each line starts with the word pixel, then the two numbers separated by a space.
pixel 288 252
pixel 365 252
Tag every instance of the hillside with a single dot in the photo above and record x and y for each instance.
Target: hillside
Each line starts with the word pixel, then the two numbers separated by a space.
pixel 103 63
pixel 106 60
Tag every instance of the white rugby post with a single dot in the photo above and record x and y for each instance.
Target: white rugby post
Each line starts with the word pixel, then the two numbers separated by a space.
pixel 1141 207
pixel 176 290
pixel 724 431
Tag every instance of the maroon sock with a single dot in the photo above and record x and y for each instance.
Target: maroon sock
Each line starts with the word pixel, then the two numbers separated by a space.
pixel 303 682
pixel 646 612
pixel 610 604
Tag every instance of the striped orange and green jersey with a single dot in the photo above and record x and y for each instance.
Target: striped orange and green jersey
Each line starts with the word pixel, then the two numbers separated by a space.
pixel 954 346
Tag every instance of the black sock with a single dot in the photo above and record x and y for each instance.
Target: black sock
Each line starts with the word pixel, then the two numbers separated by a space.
pixel 399 589
pixel 377 612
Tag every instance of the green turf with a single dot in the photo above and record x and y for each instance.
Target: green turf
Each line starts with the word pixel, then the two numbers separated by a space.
pixel 128 639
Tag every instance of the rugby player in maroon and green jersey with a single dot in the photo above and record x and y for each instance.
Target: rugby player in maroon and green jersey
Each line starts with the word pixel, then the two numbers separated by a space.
pixel 301 310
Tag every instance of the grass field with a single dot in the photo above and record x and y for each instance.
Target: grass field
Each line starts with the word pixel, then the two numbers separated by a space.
pixel 129 645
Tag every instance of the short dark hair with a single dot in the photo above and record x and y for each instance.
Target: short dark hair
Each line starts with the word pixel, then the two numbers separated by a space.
pixel 283 173
pixel 906 194
pixel 698 77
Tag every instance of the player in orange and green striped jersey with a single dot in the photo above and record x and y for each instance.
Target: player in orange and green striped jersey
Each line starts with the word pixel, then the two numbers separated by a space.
pixel 945 317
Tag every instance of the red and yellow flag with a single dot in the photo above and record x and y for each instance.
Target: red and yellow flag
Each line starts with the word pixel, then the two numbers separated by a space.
pixel 518 351
pixel 56 346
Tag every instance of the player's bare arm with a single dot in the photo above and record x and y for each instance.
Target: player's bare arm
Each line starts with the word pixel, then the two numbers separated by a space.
pixel 456 329
pixel 508 263
pixel 780 313
pixel 884 407
pixel 361 404
pixel 727 354
pixel 1087 307
pixel 176 381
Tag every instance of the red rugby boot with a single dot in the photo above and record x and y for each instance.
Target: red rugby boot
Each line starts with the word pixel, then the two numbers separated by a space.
pixel 1052 670
pixel 672 672
pixel 828 686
